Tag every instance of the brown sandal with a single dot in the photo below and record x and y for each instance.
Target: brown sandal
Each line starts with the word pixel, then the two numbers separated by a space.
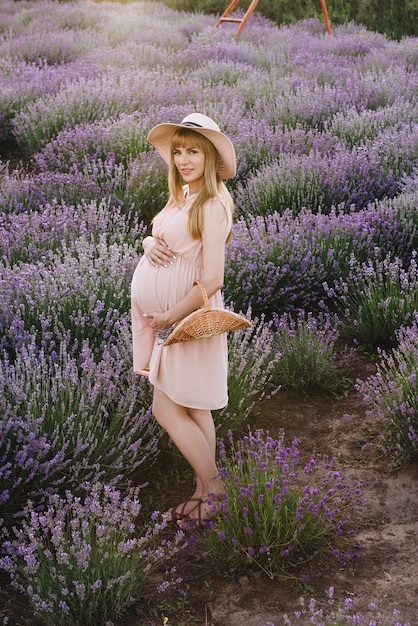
pixel 187 522
pixel 173 515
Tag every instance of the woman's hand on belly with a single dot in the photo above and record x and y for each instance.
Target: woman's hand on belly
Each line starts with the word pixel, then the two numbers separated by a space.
pixel 158 321
pixel 158 253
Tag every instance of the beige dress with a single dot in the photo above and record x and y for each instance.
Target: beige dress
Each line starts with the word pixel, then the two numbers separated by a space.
pixel 194 373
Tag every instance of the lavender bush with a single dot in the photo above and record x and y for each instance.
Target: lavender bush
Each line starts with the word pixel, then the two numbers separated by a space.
pixel 392 395
pixel 277 511
pixel 391 226
pixel 273 266
pixel 377 298
pixel 67 421
pixel 21 192
pixel 31 80
pixel 135 26
pixel 307 354
pixel 53 48
pixel 124 138
pixel 134 186
pixel 77 293
pixel 280 263
pixel 30 235
pixel 79 561
pixel 350 177
pixel 356 126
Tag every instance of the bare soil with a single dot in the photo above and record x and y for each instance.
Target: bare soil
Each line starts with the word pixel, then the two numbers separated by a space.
pixel 387 570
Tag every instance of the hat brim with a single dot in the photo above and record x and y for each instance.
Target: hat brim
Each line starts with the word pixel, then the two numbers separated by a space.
pixel 161 135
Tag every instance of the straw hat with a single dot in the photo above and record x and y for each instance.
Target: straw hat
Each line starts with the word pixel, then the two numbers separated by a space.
pixel 160 136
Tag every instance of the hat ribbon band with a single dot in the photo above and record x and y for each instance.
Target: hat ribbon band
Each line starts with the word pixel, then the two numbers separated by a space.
pixel 191 124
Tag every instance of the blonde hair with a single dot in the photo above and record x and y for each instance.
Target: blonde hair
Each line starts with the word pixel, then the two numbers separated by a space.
pixel 213 186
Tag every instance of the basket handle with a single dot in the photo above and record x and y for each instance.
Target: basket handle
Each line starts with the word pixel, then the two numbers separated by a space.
pixel 204 293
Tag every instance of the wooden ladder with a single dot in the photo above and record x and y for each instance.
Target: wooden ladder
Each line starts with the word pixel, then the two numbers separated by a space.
pixel 241 21
pixel 225 17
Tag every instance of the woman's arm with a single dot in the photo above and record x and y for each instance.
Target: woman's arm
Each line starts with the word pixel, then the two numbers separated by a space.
pixel 215 231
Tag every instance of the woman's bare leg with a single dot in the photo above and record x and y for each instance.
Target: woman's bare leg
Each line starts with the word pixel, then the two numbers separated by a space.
pixel 204 420
pixel 193 433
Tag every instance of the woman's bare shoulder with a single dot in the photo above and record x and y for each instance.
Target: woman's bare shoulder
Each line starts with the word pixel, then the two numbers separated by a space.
pixel 217 203
pixel 218 212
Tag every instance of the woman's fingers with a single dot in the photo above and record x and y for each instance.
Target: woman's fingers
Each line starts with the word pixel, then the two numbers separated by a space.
pixel 160 254
pixel 157 320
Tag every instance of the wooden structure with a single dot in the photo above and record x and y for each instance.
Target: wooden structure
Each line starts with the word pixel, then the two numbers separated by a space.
pixel 226 15
pixel 326 18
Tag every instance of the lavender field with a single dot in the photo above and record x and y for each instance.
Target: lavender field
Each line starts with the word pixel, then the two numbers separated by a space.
pixel 323 259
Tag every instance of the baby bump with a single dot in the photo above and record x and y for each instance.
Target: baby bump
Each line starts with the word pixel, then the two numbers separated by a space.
pixel 159 288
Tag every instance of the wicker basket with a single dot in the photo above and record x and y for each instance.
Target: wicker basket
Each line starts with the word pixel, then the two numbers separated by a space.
pixel 206 322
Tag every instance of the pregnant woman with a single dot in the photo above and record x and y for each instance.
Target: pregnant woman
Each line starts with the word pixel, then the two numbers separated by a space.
pixel 187 244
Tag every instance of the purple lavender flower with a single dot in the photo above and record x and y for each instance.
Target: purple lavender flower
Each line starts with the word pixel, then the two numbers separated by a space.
pixel 307 516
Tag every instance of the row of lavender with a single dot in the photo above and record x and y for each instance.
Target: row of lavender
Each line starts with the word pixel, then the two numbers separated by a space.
pixel 322 127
